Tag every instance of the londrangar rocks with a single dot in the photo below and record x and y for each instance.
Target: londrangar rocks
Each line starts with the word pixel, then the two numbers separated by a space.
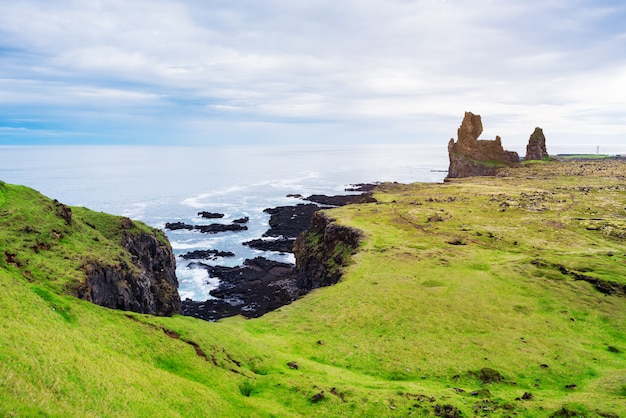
pixel 470 156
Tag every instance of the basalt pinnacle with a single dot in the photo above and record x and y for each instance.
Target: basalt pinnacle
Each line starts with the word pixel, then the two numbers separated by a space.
pixel 470 156
pixel 536 148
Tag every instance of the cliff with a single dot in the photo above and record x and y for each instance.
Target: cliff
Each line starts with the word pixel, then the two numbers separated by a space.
pixel 105 259
pixel 147 286
pixel 321 248
pixel 322 251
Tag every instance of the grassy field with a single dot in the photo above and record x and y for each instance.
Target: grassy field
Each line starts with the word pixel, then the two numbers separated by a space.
pixel 499 296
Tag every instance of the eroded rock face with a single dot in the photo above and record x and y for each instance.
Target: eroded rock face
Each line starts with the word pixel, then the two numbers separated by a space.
pixel 536 148
pixel 470 156
pixel 322 251
pixel 147 286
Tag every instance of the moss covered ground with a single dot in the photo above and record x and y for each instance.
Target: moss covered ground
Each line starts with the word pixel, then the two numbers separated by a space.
pixel 494 296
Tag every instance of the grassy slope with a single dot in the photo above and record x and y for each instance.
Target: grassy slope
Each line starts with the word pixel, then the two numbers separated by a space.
pixel 410 325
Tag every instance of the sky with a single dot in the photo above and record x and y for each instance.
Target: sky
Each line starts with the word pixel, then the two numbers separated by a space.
pixel 204 72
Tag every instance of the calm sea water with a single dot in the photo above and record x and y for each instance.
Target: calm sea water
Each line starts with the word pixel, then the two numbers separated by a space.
pixel 168 184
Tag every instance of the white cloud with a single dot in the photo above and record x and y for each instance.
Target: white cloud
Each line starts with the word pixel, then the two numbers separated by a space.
pixel 351 63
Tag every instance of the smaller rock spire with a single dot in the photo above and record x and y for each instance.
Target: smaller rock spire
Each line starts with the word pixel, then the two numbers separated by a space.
pixel 536 148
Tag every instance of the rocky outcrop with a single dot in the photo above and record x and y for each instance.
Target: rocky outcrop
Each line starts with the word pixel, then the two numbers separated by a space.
pixel 147 285
pixel 210 215
pixel 252 289
pixel 206 255
pixel 63 211
pixel 470 156
pixel 536 148
pixel 286 223
pixel 209 229
pixel 342 200
pixel 261 285
pixel 322 251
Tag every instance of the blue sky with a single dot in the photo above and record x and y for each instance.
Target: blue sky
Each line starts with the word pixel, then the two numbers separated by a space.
pixel 316 71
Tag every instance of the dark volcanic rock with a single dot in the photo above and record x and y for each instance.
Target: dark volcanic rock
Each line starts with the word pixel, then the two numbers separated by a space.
pixel 258 268
pixel 322 251
pixel 210 310
pixel 362 187
pixel 215 228
pixel 206 254
pixel 210 215
pixel 209 229
pixel 149 286
pixel 281 245
pixel 341 200
pixel 243 220
pixel 536 148
pixel 173 226
pixel 261 285
pixel 470 156
pixel 255 288
pixel 290 221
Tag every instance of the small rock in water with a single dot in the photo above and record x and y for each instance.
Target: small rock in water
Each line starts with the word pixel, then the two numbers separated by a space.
pixel 210 215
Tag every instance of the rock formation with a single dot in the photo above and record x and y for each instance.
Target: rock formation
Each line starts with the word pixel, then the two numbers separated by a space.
pixel 322 251
pixel 470 156
pixel 149 285
pixel 536 148
pixel 252 289
pixel 320 246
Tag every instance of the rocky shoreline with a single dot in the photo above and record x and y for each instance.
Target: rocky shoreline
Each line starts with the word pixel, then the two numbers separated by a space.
pixel 260 285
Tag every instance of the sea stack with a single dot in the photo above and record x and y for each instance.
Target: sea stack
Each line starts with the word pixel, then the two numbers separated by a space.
pixel 470 156
pixel 536 148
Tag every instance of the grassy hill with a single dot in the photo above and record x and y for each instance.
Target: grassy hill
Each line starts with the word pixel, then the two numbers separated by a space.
pixel 499 296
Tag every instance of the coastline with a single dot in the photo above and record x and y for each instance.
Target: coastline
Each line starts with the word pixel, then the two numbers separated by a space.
pixel 260 285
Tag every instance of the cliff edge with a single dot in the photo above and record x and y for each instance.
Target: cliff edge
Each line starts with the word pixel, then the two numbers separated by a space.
pixel 147 286
pixel 105 259
pixel 322 251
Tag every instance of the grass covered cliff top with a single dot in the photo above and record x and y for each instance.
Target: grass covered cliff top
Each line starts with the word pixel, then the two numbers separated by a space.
pixel 486 296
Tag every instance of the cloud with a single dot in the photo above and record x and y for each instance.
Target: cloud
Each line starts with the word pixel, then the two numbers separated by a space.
pixel 354 69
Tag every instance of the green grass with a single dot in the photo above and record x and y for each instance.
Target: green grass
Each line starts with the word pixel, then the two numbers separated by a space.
pixel 414 325
pixel 582 156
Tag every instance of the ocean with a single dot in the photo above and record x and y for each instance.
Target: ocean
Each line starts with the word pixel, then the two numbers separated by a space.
pixel 172 184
